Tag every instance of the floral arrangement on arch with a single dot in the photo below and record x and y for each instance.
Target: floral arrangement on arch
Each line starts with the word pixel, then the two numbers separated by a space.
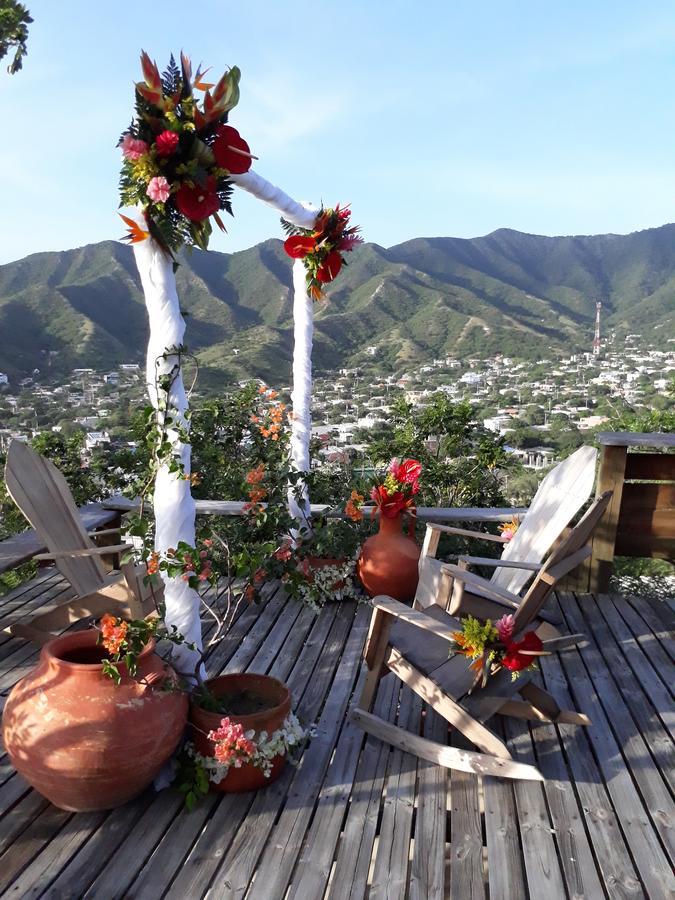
pixel 322 248
pixel 393 494
pixel 491 647
pixel 178 154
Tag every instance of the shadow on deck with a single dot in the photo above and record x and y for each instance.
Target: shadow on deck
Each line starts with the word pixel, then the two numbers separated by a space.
pixel 358 819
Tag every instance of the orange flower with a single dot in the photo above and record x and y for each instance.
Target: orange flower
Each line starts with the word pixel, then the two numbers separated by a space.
pixel 352 509
pixel 262 389
pixel 257 494
pixel 255 476
pixel 114 632
pixel 153 563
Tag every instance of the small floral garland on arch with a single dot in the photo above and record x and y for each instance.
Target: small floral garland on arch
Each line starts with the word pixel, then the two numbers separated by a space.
pixel 322 248
pixel 179 153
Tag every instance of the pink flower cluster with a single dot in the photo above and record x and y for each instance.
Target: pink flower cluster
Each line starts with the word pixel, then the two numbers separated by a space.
pixel 232 746
pixel 504 628
pixel 132 148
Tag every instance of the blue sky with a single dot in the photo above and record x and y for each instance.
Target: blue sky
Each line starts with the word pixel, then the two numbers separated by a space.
pixel 438 118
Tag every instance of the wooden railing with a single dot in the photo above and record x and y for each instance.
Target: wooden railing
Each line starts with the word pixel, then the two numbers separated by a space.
pixel 640 521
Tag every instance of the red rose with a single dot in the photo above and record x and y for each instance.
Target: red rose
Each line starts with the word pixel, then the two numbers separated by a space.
pixel 514 660
pixel 228 141
pixel 329 268
pixel 199 202
pixel 166 143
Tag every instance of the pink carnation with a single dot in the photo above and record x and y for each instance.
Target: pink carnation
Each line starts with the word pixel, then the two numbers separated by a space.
pixel 158 189
pixel 132 147
pixel 166 143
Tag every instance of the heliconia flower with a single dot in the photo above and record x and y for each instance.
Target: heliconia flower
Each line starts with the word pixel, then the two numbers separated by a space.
pixel 159 192
pixel 505 627
pixel 298 246
pixel 231 150
pixel 133 148
pixel 198 202
pixel 330 267
pixel 166 143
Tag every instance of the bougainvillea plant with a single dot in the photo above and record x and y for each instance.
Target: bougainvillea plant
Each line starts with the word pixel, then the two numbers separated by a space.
pixel 179 152
pixel 394 493
pixel 491 647
pixel 322 248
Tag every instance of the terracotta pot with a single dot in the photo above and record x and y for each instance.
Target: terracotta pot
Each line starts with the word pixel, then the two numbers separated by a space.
pixel 388 561
pixel 248 777
pixel 80 739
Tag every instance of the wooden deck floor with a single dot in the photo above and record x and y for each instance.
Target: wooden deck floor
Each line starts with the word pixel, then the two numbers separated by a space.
pixel 357 819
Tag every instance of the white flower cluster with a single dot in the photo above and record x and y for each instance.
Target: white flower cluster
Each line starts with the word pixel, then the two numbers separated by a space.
pixel 284 739
pixel 338 582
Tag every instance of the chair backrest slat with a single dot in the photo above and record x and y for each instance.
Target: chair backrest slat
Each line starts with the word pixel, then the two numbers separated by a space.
pixel 43 496
pixel 545 581
pixel 559 498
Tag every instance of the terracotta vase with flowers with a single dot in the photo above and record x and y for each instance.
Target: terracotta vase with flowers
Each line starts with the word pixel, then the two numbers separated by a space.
pixel 389 559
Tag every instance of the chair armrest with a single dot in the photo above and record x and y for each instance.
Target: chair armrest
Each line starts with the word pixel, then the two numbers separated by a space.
pixel 487 589
pixel 500 563
pixel 85 551
pixel 466 532
pixel 413 616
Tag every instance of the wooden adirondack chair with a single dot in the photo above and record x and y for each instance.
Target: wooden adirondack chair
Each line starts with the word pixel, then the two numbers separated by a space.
pixel 559 498
pixel 43 496
pixel 414 644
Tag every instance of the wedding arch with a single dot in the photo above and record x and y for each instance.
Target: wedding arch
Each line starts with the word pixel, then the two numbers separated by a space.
pixel 181 162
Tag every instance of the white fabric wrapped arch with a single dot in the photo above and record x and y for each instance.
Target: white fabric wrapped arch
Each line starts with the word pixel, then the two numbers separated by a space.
pixel 304 216
pixel 173 503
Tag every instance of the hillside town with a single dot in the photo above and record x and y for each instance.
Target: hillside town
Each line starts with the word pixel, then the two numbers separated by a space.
pixel 543 410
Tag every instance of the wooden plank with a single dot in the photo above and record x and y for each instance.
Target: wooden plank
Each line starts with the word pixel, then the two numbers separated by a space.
pixel 638 497
pixel 197 869
pixel 354 853
pixel 648 523
pixel 602 823
pixel 542 867
pixel 22 814
pixel 635 439
pixel 575 851
pixel 427 873
pixel 467 880
pixel 38 834
pixel 315 860
pixel 660 617
pixel 390 871
pixel 506 876
pixel 633 813
pixel 638 545
pixel 651 466
pixel 637 680
pixel 276 864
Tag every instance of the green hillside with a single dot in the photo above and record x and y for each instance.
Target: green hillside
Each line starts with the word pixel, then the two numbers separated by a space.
pixel 508 291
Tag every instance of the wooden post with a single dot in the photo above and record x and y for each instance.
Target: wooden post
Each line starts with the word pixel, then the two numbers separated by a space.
pixel 610 478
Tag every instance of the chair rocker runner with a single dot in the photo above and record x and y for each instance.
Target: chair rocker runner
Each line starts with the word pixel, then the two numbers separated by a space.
pixel 43 496
pixel 415 646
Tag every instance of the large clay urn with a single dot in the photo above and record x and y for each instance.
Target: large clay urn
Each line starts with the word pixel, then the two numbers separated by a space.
pixel 388 560
pixel 276 699
pixel 83 741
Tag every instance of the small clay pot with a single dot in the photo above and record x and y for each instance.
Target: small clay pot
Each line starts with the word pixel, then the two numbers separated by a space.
pixel 248 777
pixel 83 741
pixel 388 563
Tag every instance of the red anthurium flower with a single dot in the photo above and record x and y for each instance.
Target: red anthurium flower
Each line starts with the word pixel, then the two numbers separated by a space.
pixel 199 202
pixel 330 267
pixel 298 246
pixel 408 471
pixel 514 660
pixel 231 150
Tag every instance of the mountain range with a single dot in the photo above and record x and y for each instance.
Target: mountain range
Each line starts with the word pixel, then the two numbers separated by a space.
pixel 509 292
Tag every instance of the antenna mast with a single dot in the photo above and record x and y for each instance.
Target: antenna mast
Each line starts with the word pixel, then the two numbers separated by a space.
pixel 596 337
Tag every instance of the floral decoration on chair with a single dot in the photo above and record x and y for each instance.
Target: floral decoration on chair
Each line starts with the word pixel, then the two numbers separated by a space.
pixel 491 647
pixel 179 153
pixel 322 247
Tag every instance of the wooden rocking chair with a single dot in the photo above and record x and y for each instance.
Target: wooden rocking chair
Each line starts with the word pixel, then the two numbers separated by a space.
pixel 43 496
pixel 415 644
